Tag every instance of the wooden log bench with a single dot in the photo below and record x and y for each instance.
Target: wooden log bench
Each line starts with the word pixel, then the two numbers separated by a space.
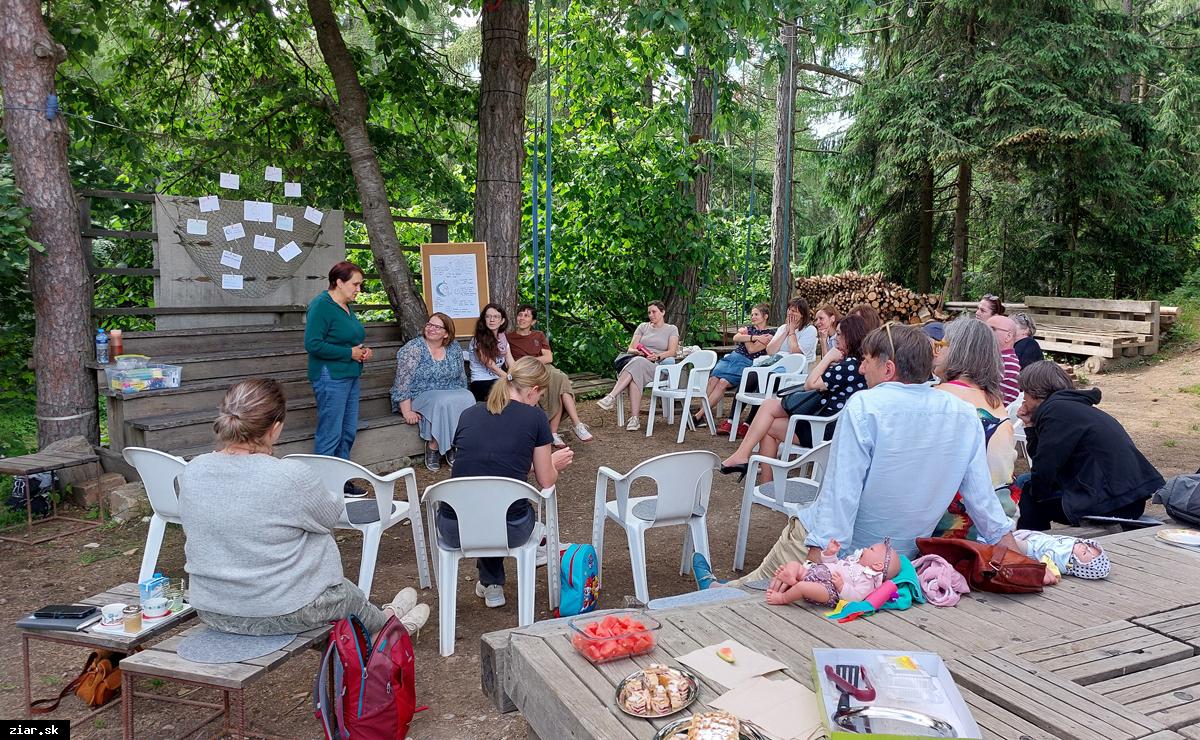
pixel 45 462
pixel 1097 329
pixel 232 679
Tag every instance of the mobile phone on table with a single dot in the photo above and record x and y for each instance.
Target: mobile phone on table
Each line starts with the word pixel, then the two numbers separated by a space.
pixel 65 611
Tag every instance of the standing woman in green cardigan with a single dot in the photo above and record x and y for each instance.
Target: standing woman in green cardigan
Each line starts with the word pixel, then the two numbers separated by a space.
pixel 333 338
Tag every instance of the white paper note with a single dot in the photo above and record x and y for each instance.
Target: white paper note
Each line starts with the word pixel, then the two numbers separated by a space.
pixel 209 203
pixel 197 226
pixel 273 174
pixel 257 210
pixel 455 284
pixel 231 259
pixel 230 181
pixel 313 215
pixel 291 190
pixel 289 251
pixel 231 282
pixel 234 231
pixel 283 223
pixel 264 243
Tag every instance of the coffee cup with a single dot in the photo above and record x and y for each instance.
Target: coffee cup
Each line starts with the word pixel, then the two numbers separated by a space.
pixel 156 607
pixel 110 614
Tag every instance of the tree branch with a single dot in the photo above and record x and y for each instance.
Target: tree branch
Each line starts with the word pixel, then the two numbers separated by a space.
pixel 828 71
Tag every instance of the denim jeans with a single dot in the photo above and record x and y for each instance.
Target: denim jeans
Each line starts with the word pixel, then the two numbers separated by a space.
pixel 337 415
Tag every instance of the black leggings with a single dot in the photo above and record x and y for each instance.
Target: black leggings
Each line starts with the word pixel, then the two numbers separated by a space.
pixel 481 388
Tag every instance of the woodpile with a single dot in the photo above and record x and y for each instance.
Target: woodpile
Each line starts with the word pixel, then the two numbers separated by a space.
pixel 847 290
pixel 1166 317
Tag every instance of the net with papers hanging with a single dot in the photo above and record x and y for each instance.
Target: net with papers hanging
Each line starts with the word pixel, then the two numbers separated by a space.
pixel 274 241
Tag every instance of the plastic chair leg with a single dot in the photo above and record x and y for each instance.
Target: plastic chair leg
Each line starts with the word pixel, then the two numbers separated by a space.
pixel 637 559
pixel 370 552
pixel 743 533
pixel 698 529
pixel 447 601
pixel 600 519
pixel 686 557
pixel 737 419
pixel 621 408
pixel 650 415
pixel 526 585
pixel 709 416
pixel 154 538
pixel 418 533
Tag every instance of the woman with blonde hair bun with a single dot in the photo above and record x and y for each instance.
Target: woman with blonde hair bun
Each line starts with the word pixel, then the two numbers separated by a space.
pixel 261 557
pixel 505 436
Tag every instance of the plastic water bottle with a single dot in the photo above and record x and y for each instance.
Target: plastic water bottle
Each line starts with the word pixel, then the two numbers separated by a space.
pixel 102 346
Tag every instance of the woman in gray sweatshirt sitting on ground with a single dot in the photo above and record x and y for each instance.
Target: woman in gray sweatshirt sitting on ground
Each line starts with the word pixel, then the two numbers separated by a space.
pixel 260 550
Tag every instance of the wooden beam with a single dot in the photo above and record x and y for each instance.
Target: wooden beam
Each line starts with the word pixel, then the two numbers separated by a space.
pixel 118 195
pixel 89 232
pixel 1091 304
pixel 353 216
pixel 194 310
pixel 129 271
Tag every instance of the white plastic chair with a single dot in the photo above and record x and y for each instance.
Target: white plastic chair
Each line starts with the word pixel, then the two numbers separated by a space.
pixel 683 481
pixel 373 516
pixel 481 505
pixel 1019 426
pixel 816 426
pixel 158 472
pixel 789 495
pixel 770 381
pixel 642 390
pixel 669 386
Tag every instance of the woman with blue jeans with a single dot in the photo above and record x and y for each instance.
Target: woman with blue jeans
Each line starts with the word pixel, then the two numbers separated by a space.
pixel 333 338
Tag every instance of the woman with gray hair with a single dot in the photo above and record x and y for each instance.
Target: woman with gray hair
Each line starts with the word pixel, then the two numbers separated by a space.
pixel 1027 348
pixel 969 367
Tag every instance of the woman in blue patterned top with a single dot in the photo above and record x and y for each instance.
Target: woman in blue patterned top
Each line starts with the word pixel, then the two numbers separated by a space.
pixel 431 387
pixel 751 343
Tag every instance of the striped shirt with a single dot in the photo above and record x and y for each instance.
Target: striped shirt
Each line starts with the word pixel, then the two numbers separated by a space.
pixel 1012 369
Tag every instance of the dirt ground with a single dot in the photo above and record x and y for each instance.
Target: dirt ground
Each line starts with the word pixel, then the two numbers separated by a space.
pixel 1147 398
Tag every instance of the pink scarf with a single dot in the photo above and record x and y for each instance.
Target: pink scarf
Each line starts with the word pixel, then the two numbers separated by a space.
pixel 941 583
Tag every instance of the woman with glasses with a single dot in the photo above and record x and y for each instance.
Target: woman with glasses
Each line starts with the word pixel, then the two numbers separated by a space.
pixel 830 384
pixel 431 387
pixel 969 366
pixel 488 353
pixel 988 307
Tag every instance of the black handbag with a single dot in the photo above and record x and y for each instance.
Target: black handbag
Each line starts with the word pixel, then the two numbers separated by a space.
pixel 801 402
pixel 622 360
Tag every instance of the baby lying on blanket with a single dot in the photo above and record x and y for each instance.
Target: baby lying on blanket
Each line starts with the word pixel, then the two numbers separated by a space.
pixel 1072 556
pixel 852 579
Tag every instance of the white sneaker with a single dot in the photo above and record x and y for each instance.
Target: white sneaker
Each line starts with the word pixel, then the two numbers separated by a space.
pixel 415 618
pixel 582 433
pixel 607 403
pixel 633 425
pixel 493 596
pixel 558 441
pixel 403 602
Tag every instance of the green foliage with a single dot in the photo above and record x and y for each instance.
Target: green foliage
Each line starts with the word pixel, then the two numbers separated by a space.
pixel 16 305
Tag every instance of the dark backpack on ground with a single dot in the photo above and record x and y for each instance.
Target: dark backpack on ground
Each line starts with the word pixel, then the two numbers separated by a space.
pixel 36 488
pixel 374 694
pixel 1181 498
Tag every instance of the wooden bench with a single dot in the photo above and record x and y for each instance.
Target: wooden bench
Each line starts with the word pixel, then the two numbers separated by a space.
pixel 1098 329
pixel 161 661
pixel 45 462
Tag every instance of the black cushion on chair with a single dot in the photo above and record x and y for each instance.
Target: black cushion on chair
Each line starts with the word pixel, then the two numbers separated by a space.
pixel 364 511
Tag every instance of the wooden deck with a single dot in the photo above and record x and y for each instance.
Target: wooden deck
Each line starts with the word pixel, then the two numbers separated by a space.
pixel 1113 659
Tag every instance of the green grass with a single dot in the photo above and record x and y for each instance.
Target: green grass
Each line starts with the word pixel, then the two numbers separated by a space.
pixel 1193 389
pixel 1170 443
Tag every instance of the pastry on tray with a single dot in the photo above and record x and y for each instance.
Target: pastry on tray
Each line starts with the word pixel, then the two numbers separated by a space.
pixel 656 690
pixel 714 726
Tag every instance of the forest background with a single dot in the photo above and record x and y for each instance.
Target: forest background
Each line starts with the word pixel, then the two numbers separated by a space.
pixel 962 147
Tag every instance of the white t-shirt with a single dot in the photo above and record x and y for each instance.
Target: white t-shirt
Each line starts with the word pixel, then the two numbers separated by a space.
pixel 806 338
pixel 479 371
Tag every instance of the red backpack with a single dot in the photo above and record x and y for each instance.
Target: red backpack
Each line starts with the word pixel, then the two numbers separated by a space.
pixel 374 692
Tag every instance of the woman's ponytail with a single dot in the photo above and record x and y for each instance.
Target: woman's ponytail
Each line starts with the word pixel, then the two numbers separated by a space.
pixel 526 373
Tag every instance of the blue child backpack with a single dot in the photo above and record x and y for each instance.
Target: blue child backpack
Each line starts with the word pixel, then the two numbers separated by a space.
pixel 579 580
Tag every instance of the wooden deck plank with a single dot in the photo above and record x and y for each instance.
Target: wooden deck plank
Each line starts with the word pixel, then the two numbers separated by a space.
pixel 169 665
pixel 1168 677
pixel 1133 661
pixel 997 722
pixel 547 693
pixel 602 690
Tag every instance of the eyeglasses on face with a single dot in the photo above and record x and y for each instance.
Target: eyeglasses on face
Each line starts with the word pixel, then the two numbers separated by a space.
pixel 436 327
pixel 495 316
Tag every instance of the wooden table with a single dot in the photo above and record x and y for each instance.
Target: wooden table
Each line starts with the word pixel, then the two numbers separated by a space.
pixel 1111 659
pixel 42 462
pixel 127 593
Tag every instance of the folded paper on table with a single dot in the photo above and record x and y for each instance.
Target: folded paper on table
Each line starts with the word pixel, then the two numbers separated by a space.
pixel 746 663
pixel 782 709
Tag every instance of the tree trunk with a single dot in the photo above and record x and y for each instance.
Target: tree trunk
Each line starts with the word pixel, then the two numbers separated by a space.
pixel 680 297
pixel 962 210
pixel 58 276
pixel 781 185
pixel 505 67
pixel 349 114
pixel 925 237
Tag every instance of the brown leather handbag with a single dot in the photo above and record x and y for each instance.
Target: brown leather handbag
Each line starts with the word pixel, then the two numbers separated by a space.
pixel 993 568
pixel 96 685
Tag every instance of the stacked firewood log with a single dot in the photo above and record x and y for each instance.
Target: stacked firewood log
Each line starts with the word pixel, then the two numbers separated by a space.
pixel 847 290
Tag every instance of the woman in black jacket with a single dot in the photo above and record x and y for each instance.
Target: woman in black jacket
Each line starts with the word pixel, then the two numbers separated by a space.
pixel 1084 463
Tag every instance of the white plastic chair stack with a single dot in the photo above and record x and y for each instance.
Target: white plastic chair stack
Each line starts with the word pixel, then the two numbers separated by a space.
pixel 683 481
pixel 1019 426
pixel 158 472
pixel 481 505
pixel 373 516
pixel 816 427
pixel 786 494
pixel 789 371
pixel 670 387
